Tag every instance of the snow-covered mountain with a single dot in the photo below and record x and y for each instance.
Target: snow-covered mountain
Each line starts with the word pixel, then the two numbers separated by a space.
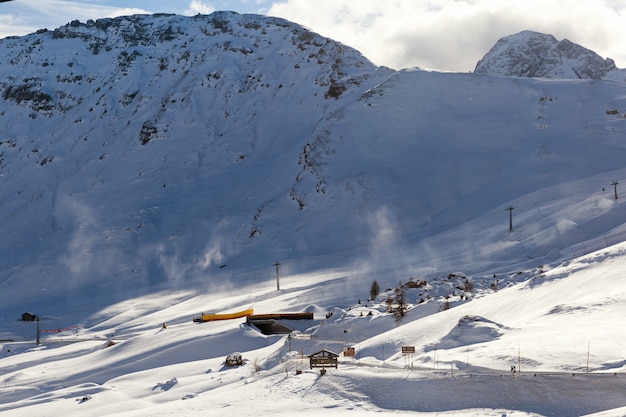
pixel 161 147
pixel 533 54
pixel 154 167
pixel 149 151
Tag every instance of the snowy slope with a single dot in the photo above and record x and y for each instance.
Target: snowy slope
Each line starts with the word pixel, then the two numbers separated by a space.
pixel 457 150
pixel 557 326
pixel 156 167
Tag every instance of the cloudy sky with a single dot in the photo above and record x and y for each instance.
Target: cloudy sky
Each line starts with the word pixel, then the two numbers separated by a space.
pixel 448 35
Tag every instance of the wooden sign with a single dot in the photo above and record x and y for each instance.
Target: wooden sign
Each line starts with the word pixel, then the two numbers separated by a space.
pixel 348 352
pixel 408 349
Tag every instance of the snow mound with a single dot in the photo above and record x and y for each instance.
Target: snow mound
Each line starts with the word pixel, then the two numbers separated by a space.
pixel 471 330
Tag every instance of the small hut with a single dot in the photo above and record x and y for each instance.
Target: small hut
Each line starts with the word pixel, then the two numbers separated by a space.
pixel 323 359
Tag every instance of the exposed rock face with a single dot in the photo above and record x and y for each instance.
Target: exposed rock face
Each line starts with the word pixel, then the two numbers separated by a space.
pixel 533 54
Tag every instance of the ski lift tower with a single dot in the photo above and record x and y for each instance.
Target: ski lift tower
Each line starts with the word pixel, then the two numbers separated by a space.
pixel 510 210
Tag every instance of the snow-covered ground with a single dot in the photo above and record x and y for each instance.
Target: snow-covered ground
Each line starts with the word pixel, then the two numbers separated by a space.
pixel 560 327
pixel 186 167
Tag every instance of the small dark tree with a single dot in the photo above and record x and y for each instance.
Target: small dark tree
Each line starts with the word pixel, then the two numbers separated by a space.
pixel 446 304
pixel 374 290
pixel 400 301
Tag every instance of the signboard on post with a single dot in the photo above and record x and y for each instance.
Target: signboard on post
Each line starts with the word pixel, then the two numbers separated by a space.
pixel 410 350
pixel 348 352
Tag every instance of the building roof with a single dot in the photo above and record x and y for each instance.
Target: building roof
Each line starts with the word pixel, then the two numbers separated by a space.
pixel 324 352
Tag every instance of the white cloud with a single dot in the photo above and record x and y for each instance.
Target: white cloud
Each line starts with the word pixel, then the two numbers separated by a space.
pixel 455 34
pixel 11 24
pixel 27 16
pixel 127 11
pixel 197 6
pixel 69 10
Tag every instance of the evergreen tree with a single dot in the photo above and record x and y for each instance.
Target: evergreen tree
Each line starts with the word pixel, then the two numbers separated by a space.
pixel 374 290
pixel 400 301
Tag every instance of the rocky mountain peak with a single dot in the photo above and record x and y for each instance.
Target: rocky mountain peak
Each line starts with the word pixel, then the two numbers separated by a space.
pixel 534 54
